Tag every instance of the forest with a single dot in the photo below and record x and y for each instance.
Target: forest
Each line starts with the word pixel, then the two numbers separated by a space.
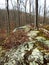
pixel 24 32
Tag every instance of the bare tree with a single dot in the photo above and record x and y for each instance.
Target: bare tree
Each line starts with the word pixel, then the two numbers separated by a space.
pixel 18 9
pixel 14 12
pixel 39 11
pixel 0 19
pixel 36 17
pixel 30 9
pixel 25 9
pixel 33 11
pixel 44 11
pixel 8 23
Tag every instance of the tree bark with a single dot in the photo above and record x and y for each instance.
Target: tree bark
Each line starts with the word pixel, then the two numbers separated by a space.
pixel 36 15
pixel 30 9
pixel 8 24
pixel 44 11
pixel 18 9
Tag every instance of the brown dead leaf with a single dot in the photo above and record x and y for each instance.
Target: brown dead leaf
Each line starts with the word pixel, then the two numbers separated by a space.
pixel 15 39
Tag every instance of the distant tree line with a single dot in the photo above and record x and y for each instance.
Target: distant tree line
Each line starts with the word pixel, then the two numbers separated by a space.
pixel 16 17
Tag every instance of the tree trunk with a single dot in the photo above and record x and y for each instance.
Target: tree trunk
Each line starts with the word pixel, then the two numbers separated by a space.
pixel 30 10
pixel 8 23
pixel 36 15
pixel 26 12
pixel 18 9
pixel 44 11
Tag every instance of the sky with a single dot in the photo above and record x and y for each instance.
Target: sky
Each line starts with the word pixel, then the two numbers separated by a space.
pixel 2 3
pixel 41 3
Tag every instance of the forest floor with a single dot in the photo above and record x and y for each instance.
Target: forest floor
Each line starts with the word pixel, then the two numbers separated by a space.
pixel 26 46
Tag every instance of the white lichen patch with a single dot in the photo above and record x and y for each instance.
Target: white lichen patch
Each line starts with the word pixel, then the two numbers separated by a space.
pixel 40 38
pixel 46 56
pixel 18 54
pixel 32 34
pixel 37 55
pixel 28 53
pixel 47 42
pixel 33 63
pixel 47 63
